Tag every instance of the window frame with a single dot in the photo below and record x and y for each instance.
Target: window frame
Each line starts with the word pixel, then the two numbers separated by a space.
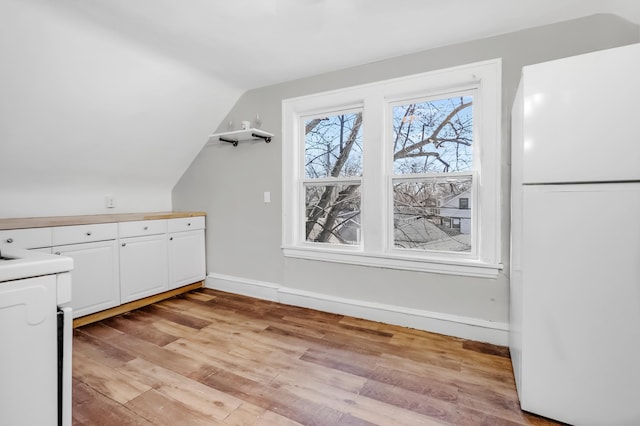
pixel 375 100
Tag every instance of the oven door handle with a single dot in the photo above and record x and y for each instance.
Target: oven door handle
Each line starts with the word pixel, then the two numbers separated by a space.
pixel 65 375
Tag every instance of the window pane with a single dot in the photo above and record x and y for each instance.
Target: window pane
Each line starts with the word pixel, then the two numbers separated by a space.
pixel 333 213
pixel 433 136
pixel 427 214
pixel 333 146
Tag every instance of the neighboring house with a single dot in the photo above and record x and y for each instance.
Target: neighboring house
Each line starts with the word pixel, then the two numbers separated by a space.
pixel 428 227
pixel 455 213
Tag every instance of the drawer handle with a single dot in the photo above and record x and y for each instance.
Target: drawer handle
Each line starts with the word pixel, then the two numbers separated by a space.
pixel 58 253
pixel 9 240
pixel 124 244
pixel 88 233
pixel 170 238
pixel 145 228
pixel 189 224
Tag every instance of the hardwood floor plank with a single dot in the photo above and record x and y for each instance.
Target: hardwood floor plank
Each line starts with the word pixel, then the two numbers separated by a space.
pixel 486 348
pixel 249 414
pixel 356 364
pixel 487 400
pixel 135 324
pixel 209 357
pixel 181 318
pixel 349 420
pixel 164 411
pixel 423 384
pixel 203 296
pixel 350 403
pixel 99 350
pixel 306 372
pixel 275 399
pixel 209 352
pixel 92 408
pixel 433 408
pixel 106 380
pixel 147 351
pixel 199 397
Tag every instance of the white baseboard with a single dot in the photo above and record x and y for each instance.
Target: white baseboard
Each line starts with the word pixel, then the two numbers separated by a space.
pixel 496 333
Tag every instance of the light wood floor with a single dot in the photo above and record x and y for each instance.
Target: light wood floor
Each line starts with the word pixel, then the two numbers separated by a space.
pixel 213 358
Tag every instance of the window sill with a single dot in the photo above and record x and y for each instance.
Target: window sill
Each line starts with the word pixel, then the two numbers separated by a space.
pixel 462 267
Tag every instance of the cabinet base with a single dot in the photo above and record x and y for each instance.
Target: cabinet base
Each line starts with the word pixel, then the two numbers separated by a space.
pixel 108 313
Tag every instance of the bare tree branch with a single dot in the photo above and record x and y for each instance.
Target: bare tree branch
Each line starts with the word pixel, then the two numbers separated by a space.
pixel 312 124
pixel 433 138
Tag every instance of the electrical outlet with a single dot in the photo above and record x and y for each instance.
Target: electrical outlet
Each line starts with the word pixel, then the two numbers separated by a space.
pixel 267 197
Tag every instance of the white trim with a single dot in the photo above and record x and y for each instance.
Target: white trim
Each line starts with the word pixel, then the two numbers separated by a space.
pixel 245 286
pixel 452 325
pixel 447 264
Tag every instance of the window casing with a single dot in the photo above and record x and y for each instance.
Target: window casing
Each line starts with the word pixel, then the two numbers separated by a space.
pixel 380 227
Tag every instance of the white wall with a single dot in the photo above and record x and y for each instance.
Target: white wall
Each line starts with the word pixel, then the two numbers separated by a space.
pixel 244 233
pixel 86 112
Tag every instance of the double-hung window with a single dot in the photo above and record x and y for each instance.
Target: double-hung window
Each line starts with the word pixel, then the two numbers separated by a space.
pixel 401 173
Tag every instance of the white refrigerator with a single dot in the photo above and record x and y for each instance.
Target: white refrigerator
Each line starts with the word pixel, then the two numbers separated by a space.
pixel 575 243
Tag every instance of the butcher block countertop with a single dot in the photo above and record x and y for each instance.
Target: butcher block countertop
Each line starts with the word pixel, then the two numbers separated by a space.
pixel 43 222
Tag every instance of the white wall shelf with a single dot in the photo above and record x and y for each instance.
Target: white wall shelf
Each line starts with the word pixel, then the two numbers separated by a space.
pixel 240 135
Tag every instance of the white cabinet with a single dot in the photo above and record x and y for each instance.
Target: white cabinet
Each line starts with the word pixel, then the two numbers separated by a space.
pixel 186 251
pixel 84 233
pixel 143 260
pixel 120 262
pixel 28 238
pixel 95 285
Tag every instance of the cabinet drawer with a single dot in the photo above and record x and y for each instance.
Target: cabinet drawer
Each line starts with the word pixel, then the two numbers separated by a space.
pixel 141 228
pixel 84 233
pixel 27 238
pixel 186 224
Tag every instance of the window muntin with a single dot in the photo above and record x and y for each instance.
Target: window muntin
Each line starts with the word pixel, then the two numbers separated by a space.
pixel 433 138
pixel 333 170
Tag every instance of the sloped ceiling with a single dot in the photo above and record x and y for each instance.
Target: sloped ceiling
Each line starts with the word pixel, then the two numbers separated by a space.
pixel 116 97
pixel 253 43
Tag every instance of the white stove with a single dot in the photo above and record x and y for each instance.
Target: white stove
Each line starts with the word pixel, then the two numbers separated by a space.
pixel 18 263
pixel 35 360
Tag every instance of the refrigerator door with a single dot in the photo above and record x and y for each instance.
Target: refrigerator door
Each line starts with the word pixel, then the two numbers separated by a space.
pixel 581 118
pixel 581 303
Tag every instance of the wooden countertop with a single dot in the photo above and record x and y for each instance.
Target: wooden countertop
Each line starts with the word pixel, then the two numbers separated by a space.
pixel 42 222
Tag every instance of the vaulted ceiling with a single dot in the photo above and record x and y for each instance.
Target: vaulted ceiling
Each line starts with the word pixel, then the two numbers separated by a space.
pixel 117 97
pixel 252 43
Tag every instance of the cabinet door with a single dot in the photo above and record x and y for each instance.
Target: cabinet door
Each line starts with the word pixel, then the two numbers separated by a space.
pixel 143 267
pixel 186 258
pixel 94 279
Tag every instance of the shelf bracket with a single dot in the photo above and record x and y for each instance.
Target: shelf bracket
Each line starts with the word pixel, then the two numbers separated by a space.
pixel 231 141
pixel 267 139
